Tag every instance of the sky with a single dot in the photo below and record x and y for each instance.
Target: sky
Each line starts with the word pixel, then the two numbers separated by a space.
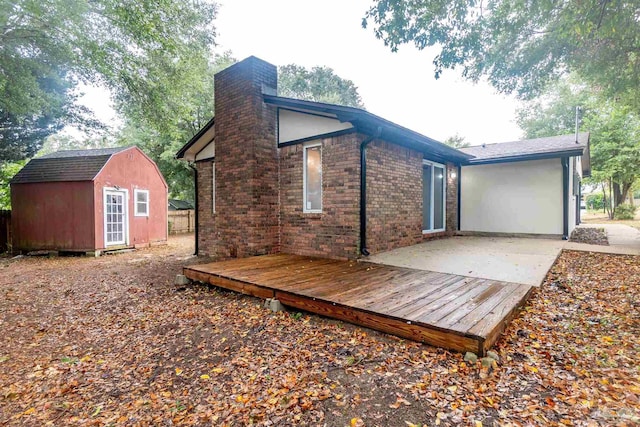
pixel 396 86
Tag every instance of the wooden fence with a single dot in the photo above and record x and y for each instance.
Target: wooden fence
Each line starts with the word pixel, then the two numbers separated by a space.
pixel 5 230
pixel 182 221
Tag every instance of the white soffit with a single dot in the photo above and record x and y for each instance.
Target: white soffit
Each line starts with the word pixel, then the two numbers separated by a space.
pixel 293 125
pixel 203 148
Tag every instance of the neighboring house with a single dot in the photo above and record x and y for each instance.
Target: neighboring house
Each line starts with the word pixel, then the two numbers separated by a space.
pixel 89 201
pixel 276 174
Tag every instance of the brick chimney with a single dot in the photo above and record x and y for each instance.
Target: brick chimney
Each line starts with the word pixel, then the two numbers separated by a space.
pixel 246 218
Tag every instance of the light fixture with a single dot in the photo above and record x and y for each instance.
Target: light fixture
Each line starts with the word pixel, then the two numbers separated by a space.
pixel 453 174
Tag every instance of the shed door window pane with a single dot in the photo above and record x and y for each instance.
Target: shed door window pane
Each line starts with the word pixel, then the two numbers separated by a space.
pixel 142 202
pixel 313 179
pixel 115 218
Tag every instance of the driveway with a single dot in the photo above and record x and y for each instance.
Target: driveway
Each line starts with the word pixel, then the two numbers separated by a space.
pixel 509 259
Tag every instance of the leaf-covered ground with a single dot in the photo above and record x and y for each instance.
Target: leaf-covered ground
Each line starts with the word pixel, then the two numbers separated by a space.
pixel 112 341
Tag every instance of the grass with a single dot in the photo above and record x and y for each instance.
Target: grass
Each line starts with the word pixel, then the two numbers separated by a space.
pixel 598 217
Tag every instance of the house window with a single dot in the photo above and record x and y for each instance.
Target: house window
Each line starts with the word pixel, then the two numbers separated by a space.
pixel 433 196
pixel 142 202
pixel 213 187
pixel 312 178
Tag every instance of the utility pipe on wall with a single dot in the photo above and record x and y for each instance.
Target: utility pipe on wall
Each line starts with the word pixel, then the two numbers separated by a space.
pixel 363 190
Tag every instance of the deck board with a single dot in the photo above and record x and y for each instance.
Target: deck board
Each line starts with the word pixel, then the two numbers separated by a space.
pixel 456 312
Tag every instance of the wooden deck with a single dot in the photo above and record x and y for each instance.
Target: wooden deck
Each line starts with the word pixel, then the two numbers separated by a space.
pixel 445 310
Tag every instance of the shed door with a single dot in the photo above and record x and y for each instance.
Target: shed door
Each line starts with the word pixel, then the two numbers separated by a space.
pixel 115 217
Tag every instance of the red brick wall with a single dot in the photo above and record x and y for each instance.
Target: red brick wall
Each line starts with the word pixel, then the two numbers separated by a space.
pixel 246 219
pixel 394 197
pixel 335 232
pixel 207 236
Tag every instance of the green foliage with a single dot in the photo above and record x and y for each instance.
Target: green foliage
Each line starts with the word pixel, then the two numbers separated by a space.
pixel 457 141
pixel 595 201
pixel 179 101
pixel 614 130
pixel 625 212
pixel 319 84
pixel 60 142
pixel 521 45
pixel 46 48
pixel 7 171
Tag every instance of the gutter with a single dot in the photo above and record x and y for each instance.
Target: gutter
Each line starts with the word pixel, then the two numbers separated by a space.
pixel 363 190
pixel 195 185
pixel 565 198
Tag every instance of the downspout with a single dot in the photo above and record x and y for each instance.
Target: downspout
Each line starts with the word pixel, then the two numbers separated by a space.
pixel 565 198
pixel 363 190
pixel 195 185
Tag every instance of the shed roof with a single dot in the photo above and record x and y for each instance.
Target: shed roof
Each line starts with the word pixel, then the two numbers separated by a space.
pixel 67 165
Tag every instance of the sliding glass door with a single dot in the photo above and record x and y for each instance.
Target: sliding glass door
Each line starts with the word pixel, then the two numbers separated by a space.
pixel 433 197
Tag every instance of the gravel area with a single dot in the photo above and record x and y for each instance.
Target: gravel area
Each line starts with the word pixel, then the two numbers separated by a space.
pixel 590 235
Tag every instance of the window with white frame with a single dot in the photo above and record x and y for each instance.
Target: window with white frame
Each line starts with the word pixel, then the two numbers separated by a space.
pixel 141 198
pixel 312 178
pixel 213 187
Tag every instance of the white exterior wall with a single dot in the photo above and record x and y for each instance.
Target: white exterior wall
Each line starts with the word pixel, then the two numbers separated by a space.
pixel 518 197
pixel 293 125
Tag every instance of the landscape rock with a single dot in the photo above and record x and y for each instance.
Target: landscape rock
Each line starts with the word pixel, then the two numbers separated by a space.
pixel 470 357
pixel 487 362
pixel 493 355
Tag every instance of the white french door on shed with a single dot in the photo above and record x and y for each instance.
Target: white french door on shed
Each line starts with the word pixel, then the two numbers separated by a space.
pixel 433 197
pixel 115 217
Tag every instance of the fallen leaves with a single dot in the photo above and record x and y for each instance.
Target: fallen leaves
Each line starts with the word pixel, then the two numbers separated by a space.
pixel 116 344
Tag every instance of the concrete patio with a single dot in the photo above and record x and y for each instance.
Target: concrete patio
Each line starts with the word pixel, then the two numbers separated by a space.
pixel 509 259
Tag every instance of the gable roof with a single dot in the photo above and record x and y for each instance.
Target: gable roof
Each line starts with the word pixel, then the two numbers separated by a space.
pixel 533 149
pixel 371 124
pixel 197 142
pixel 362 120
pixel 67 165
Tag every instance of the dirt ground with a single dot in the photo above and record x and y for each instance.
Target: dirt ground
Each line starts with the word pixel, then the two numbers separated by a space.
pixel 112 341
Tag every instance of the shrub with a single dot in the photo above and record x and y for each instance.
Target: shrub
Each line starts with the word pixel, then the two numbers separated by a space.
pixel 595 201
pixel 624 212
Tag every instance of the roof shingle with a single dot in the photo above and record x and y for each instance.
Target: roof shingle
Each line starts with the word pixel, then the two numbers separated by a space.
pixel 528 147
pixel 70 165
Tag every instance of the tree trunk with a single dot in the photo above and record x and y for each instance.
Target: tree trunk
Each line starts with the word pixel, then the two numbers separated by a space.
pixel 606 203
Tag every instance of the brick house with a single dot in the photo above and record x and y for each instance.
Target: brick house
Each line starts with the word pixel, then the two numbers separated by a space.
pixel 277 174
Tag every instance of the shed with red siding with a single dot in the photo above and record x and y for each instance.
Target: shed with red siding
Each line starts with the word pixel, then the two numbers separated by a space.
pixel 89 200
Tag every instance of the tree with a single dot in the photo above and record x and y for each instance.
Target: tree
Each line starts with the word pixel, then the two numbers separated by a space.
pixel 521 45
pixel 179 101
pixel 47 47
pixel 7 171
pixel 614 128
pixel 457 141
pixel 319 84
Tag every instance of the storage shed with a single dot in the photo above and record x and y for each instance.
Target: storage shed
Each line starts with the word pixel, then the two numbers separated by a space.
pixel 89 201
